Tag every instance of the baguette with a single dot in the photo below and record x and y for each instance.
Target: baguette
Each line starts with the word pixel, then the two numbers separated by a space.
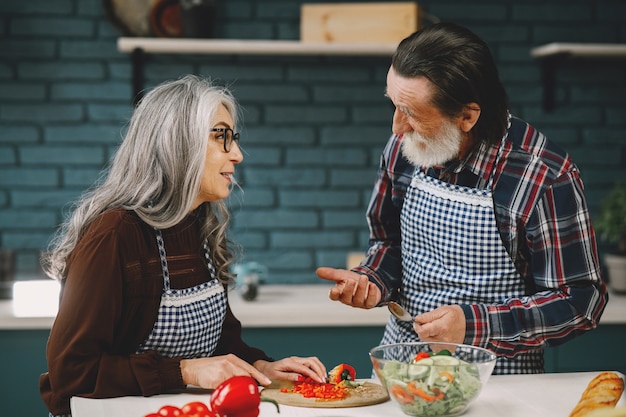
pixel 604 390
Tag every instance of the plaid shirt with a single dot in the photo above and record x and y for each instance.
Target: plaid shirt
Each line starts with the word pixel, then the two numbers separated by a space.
pixel 544 224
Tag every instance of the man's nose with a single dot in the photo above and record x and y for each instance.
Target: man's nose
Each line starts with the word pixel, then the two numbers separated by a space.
pixel 400 123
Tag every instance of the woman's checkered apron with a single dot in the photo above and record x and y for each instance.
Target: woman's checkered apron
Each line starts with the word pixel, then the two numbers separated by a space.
pixel 190 320
pixel 452 253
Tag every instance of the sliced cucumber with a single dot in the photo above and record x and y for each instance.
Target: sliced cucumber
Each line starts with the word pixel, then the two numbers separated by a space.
pixel 418 370
pixel 445 360
pixel 392 381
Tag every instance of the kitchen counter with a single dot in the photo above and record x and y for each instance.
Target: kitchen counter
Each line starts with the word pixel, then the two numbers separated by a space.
pixel 503 395
pixel 276 306
pixel 285 320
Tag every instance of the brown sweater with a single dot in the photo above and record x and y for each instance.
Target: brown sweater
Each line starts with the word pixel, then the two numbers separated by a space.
pixel 109 304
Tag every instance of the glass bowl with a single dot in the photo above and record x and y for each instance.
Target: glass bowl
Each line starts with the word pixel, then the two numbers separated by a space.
pixel 432 379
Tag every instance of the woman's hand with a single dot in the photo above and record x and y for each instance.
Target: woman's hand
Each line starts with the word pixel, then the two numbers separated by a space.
pixel 293 369
pixel 210 372
pixel 351 288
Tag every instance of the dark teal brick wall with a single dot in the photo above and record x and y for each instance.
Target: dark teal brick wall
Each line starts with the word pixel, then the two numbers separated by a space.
pixel 313 126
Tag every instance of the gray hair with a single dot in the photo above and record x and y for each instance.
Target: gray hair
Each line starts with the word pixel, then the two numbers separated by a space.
pixel 157 170
pixel 461 66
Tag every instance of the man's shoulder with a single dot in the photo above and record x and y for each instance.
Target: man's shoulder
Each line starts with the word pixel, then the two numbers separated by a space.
pixel 532 146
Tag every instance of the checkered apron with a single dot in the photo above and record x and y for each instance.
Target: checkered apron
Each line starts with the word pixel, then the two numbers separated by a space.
pixel 190 320
pixel 452 253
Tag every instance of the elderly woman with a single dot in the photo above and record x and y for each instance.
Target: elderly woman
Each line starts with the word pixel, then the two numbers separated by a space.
pixel 144 262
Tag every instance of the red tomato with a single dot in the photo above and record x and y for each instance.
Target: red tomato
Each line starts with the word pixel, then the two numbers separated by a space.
pixel 152 415
pixel 197 409
pixel 169 411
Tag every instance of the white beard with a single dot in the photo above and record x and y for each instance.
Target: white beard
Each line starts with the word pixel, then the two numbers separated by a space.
pixel 435 150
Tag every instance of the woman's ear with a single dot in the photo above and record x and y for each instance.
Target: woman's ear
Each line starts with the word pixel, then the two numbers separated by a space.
pixel 469 116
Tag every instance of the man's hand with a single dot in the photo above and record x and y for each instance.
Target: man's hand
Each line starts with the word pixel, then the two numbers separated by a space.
pixel 351 288
pixel 443 324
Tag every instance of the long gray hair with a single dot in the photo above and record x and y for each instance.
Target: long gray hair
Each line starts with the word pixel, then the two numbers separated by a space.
pixel 157 171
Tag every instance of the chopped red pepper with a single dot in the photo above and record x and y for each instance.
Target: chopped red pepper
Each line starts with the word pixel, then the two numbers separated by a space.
pixel 309 388
pixel 421 355
pixel 334 389
pixel 415 390
pixel 400 394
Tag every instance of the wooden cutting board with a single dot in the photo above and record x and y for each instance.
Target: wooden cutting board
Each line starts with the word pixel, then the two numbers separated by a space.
pixel 366 394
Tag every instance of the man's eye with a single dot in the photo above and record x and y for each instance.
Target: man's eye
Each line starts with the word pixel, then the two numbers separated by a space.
pixel 408 113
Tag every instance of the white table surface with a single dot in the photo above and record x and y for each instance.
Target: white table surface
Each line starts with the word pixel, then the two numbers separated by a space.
pixel 544 395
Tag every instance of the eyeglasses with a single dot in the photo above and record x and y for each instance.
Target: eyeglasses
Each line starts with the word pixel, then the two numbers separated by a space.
pixel 227 136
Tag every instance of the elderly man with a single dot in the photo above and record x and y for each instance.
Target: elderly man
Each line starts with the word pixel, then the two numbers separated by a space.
pixel 479 225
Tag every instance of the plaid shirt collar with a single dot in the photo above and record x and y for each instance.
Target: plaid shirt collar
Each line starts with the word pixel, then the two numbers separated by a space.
pixel 480 161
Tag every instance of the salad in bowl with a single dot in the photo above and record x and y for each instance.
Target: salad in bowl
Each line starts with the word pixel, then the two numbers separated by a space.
pixel 432 379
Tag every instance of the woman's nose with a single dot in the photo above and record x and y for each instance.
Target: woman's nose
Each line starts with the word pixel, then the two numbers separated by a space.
pixel 235 153
pixel 400 123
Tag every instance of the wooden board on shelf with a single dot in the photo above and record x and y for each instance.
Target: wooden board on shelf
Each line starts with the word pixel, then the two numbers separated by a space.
pixel 358 22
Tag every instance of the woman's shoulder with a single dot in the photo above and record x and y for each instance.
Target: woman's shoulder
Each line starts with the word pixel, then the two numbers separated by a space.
pixel 115 217
pixel 116 228
pixel 119 221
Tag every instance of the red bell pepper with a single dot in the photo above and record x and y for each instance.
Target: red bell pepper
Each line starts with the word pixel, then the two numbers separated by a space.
pixel 238 396
pixel 341 372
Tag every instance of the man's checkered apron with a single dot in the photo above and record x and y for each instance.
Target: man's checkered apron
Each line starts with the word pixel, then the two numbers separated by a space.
pixel 452 254
pixel 190 320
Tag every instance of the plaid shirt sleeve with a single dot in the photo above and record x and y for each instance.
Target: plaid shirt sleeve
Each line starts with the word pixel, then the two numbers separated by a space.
pixel 383 261
pixel 545 222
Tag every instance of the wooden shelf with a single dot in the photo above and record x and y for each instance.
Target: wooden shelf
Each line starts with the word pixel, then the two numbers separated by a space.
pixel 139 47
pixel 587 50
pixel 251 47
pixel 554 54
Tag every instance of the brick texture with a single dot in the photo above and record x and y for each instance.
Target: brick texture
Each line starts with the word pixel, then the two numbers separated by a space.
pixel 313 126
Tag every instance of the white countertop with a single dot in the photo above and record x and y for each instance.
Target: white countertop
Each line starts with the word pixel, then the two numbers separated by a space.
pixel 302 305
pixel 503 395
pixel 276 306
